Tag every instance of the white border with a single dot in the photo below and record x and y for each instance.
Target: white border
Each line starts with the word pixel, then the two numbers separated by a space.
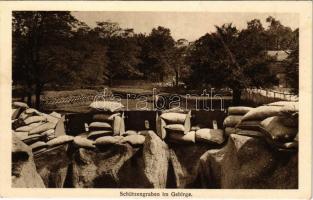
pixel 305 15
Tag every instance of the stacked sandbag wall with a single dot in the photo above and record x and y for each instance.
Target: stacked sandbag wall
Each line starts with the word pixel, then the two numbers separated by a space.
pixel 172 148
pixel 261 151
pixel 122 155
pixel 43 134
pixel 187 141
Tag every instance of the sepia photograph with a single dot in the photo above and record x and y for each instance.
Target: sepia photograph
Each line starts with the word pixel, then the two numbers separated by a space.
pixel 155 99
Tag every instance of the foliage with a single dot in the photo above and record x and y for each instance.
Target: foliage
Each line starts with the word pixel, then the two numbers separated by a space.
pixel 279 36
pixel 38 44
pixel 237 58
pixel 292 69
pixel 54 48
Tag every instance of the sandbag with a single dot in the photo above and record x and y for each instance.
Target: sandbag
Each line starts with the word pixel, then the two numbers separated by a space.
pixel 56 115
pixel 176 118
pixel 160 126
pixel 261 113
pixel 23 115
pixel 289 110
pixel 105 117
pixel 175 127
pixel 40 151
pixel 290 145
pixel 289 121
pixel 83 142
pixel 163 131
pixel 15 113
pixel 22 135
pixel 96 126
pixel 34 119
pixel 197 127
pixel 129 132
pixel 95 134
pixel 277 130
pixel 30 139
pixel 182 138
pixel 108 140
pixel 122 124
pixel 117 125
pixel 29 127
pixel 50 134
pixel 230 130
pixel 60 140
pixel 145 132
pixel 36 124
pixel 249 125
pixel 32 111
pixel 284 103
pixel 24 129
pixel 238 110
pixel 51 118
pixel 38 145
pixel 60 127
pixel 250 133
pixel 232 120
pixel 42 128
pixel 174 110
pixel 187 123
pixel 18 123
pixel 20 105
pixel 111 106
pixel 213 136
pixel 134 139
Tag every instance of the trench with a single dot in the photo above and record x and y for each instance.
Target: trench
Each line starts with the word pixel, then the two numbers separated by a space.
pixel 129 167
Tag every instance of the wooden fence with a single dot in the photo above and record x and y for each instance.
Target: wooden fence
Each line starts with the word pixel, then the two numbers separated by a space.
pixel 261 96
pixel 67 100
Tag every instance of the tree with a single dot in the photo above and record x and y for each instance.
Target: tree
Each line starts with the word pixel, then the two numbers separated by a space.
pixel 122 51
pixel 279 37
pixel 292 71
pixel 144 66
pixel 35 33
pixel 178 60
pixel 235 79
pixel 107 29
pixel 292 64
pixel 231 58
pixel 253 57
pixel 253 38
pixel 124 57
pixel 94 68
pixel 161 46
pixel 292 67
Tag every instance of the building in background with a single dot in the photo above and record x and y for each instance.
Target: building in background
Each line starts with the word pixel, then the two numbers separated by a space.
pixel 279 67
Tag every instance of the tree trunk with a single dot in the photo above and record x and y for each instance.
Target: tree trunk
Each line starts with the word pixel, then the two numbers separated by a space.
pixel 29 94
pixel 161 77
pixel 29 99
pixel 38 91
pixel 177 77
pixel 236 97
pixel 110 81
